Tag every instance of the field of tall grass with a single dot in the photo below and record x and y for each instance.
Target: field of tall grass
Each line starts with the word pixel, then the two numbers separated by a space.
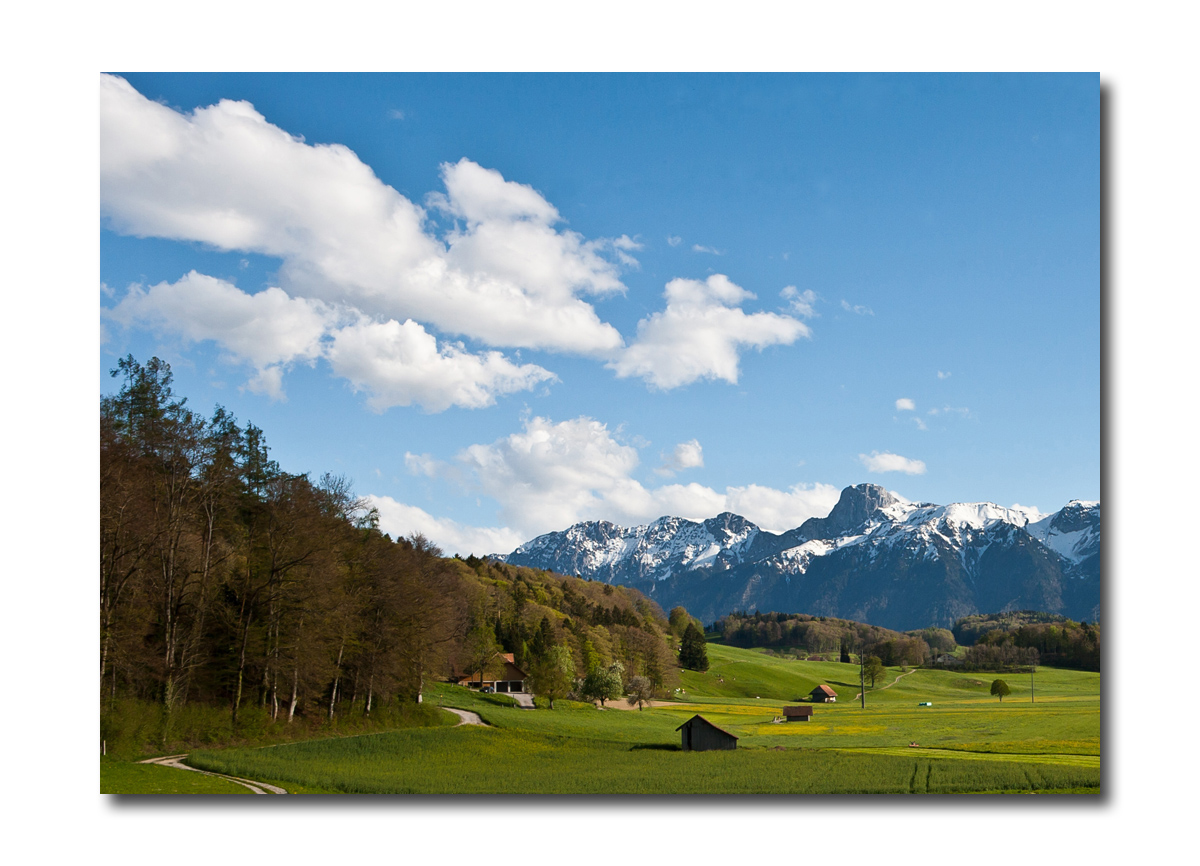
pixel 474 760
pixel 129 778
pixel 133 729
pixel 967 742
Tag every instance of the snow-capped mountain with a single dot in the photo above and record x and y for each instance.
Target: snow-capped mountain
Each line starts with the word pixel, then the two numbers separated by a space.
pixel 876 558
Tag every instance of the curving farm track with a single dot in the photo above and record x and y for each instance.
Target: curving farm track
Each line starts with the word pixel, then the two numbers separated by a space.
pixel 176 761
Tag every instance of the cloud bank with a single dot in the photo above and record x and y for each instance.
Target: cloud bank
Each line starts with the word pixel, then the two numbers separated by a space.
pixel 368 275
pixel 550 475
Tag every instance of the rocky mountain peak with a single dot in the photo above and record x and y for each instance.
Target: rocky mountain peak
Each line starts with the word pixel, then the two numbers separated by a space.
pixel 854 508
pixel 876 557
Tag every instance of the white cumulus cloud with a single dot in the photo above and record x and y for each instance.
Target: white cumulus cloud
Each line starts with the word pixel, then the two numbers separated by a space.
pixel 551 475
pixel 1031 512
pixel 686 455
pixel 265 330
pixel 401 521
pixel 400 364
pixel 225 176
pixel 487 259
pixel 699 334
pixel 885 461
pixel 396 364
pixel 905 405
pixel 422 464
pixel 780 510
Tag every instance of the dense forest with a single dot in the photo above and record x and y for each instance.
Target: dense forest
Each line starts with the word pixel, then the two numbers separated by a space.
pixel 830 638
pixel 1058 641
pixel 990 642
pixel 269 597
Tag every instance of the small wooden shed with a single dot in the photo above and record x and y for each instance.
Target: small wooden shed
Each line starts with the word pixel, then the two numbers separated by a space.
pixel 823 694
pixel 797 714
pixel 701 735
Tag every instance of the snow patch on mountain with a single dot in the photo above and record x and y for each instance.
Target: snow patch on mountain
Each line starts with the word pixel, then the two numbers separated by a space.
pixel 1073 533
pixel 868 521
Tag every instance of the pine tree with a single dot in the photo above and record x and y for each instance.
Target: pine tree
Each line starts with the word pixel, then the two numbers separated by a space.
pixel 693 652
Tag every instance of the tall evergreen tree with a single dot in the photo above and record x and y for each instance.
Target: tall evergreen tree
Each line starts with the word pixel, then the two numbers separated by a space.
pixel 693 650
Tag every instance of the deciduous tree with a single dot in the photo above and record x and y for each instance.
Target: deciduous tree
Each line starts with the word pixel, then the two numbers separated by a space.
pixel 553 674
pixel 604 684
pixel 641 690
pixel 1000 689
pixel 873 669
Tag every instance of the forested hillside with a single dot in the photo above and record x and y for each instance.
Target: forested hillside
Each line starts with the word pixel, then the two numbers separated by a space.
pixel 995 637
pixel 830 638
pixel 226 582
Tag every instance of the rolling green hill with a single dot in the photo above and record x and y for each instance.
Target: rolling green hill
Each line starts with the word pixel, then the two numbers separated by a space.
pixel 966 742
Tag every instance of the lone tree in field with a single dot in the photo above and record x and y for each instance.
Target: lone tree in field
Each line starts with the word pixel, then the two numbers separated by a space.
pixel 1000 689
pixel 693 651
pixel 553 674
pixel 873 669
pixel 640 691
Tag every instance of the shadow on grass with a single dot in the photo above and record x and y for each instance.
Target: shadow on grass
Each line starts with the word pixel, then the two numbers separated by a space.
pixel 659 747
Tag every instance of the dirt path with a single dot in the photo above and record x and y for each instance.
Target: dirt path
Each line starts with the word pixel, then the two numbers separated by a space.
pixel 468 717
pixel 176 761
pixel 622 704
pixel 889 685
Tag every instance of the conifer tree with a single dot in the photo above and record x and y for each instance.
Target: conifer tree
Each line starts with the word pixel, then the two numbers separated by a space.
pixel 693 652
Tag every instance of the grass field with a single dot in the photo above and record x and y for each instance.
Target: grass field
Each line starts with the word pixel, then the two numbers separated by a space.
pixel 117 777
pixel 968 742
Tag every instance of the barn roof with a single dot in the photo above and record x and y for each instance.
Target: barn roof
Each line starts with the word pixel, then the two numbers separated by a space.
pixel 826 690
pixel 797 711
pixel 707 722
pixel 511 672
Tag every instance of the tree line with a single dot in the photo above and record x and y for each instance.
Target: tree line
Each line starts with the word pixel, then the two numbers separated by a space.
pixel 228 582
pixel 1055 640
pixel 831 638
pixel 996 641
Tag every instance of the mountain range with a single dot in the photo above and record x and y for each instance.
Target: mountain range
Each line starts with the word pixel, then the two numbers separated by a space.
pixel 875 558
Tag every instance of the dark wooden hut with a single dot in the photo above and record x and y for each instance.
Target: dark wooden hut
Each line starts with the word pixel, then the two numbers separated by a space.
pixel 797 714
pixel 701 735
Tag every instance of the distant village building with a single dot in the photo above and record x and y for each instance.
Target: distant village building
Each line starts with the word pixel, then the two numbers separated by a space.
pixel 512 680
pixel 797 714
pixel 823 694
pixel 701 735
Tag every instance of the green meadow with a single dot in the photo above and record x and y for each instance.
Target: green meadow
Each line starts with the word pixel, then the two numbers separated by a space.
pixel 117 777
pixel 967 742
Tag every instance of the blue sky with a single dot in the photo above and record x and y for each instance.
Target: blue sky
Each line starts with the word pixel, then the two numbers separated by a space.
pixel 503 303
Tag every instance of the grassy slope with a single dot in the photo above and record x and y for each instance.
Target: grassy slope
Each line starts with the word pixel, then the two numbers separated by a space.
pixel 121 778
pixel 1064 719
pixel 483 760
pixel 118 776
pixel 969 741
